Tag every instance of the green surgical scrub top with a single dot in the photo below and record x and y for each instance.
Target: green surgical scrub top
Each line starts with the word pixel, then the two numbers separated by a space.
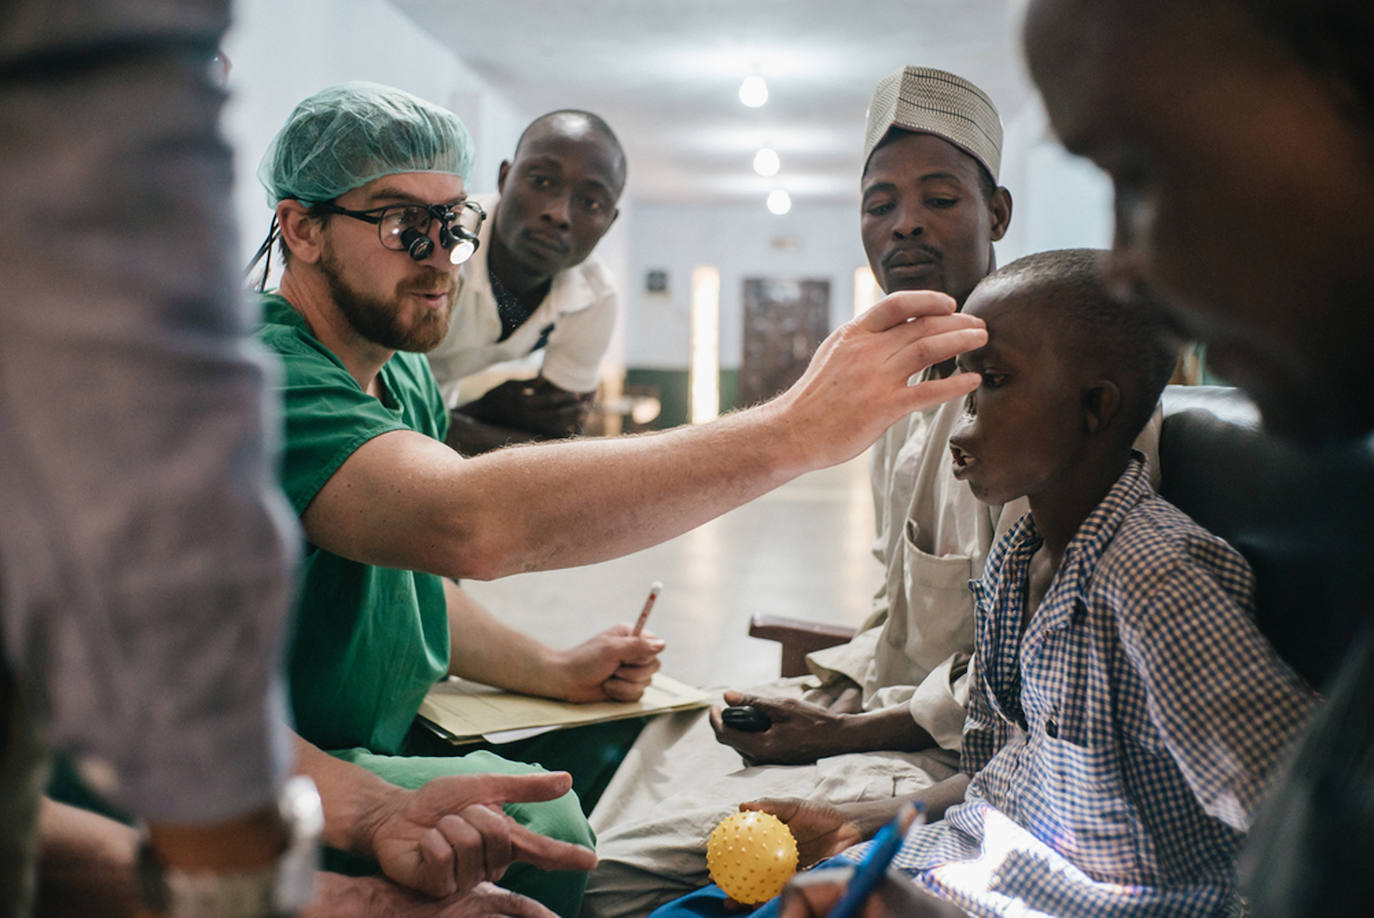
pixel 369 641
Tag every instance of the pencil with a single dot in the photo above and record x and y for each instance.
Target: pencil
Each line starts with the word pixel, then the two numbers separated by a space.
pixel 654 589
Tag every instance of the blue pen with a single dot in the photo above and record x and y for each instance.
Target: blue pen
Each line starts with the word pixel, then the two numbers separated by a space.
pixel 874 865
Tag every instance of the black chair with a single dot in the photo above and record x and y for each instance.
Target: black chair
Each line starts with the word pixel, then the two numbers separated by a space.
pixel 1281 506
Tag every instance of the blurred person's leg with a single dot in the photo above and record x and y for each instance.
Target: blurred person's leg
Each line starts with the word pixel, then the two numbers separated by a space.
pixel 144 554
pixel 22 775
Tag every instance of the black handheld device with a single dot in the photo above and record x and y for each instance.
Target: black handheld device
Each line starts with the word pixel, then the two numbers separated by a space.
pixel 745 717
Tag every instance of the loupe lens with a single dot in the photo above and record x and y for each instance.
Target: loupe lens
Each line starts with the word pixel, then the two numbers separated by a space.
pixel 417 244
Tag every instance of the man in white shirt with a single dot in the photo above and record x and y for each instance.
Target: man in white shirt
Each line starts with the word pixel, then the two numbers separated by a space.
pixel 532 286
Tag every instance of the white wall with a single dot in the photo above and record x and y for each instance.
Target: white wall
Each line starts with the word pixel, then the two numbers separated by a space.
pixel 284 50
pixel 739 241
pixel 614 252
pixel 1058 201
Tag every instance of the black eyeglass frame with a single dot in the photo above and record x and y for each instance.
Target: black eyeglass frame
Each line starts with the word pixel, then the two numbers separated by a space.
pixel 416 239
pixel 460 241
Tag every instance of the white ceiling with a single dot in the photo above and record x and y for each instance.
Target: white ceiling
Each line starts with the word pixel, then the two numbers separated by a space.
pixel 666 74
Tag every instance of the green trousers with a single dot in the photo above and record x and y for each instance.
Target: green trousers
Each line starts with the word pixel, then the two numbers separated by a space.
pixel 591 754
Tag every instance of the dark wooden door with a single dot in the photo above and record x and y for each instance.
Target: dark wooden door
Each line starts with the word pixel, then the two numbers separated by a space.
pixel 784 322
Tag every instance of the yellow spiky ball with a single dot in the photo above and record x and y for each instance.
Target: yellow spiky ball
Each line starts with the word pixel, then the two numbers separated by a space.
pixel 751 856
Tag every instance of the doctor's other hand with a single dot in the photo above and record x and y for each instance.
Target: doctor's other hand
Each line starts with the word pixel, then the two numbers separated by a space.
pixel 615 665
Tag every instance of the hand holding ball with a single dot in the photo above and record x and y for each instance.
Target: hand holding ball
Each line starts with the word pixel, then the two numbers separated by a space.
pixel 751 856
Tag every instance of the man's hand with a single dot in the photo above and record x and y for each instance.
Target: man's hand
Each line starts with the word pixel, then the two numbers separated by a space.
pixel 821 830
pixel 533 405
pixel 451 834
pixel 374 897
pixel 616 665
pixel 855 386
pixel 814 894
pixel 800 732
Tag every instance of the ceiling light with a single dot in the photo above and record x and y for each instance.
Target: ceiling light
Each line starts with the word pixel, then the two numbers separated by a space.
pixel 766 162
pixel 753 92
pixel 779 201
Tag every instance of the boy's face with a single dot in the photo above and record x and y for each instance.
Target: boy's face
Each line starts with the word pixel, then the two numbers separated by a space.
pixel 1024 425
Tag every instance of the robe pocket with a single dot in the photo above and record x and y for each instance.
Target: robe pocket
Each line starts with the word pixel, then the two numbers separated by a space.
pixel 939 606
pixel 1077 803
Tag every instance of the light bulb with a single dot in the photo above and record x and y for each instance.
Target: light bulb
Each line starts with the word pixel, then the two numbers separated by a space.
pixel 766 162
pixel 753 91
pixel 779 201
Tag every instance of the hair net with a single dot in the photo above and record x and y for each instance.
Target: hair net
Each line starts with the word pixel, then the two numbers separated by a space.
pixel 347 135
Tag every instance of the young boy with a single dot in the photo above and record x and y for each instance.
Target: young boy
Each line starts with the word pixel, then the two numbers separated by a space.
pixel 1124 712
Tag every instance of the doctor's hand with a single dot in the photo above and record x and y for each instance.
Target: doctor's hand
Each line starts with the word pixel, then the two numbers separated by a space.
pixel 451 834
pixel 856 384
pixel 615 665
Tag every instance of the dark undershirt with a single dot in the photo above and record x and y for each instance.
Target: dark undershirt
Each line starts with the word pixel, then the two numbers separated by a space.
pixel 512 310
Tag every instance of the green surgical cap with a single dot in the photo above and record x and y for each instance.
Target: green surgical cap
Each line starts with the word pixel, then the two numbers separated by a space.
pixel 347 135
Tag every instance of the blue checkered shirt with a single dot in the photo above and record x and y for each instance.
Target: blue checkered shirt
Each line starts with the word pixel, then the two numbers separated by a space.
pixel 1120 745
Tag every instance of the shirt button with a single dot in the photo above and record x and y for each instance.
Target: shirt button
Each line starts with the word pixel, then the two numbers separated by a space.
pixel 1051 729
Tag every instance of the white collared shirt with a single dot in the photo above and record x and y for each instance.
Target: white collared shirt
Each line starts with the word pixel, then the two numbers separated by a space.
pixel 580 305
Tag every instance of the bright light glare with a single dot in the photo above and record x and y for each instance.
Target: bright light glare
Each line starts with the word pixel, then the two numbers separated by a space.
pixel 753 91
pixel 866 290
pixel 766 162
pixel 645 410
pixel 779 201
pixel 704 375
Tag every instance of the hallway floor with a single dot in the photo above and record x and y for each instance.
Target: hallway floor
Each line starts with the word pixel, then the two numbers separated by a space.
pixel 803 550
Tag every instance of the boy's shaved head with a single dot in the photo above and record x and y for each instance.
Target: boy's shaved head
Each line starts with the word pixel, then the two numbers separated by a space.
pixel 1130 342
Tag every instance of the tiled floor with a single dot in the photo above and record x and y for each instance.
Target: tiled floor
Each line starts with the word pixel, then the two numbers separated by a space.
pixel 804 550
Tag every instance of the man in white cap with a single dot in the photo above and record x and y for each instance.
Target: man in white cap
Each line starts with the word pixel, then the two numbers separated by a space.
pixel 930 211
